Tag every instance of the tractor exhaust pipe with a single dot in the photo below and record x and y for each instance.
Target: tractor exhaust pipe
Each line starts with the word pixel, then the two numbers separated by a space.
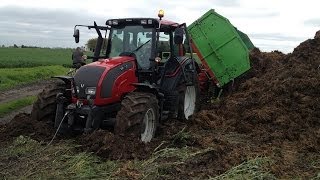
pixel 98 44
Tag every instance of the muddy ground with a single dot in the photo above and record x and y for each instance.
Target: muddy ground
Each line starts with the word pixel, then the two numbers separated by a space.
pixel 275 113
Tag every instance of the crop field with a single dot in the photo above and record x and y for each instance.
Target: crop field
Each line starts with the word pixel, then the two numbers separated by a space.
pixel 32 57
pixel 11 77
pixel 19 66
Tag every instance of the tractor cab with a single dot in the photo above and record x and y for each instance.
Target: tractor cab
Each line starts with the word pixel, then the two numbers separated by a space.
pixel 133 37
pixel 150 41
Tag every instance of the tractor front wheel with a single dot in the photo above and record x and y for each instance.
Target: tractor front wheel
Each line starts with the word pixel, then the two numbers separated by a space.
pixel 139 109
pixel 44 109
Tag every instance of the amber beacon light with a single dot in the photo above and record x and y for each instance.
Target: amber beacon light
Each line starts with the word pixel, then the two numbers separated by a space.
pixel 161 14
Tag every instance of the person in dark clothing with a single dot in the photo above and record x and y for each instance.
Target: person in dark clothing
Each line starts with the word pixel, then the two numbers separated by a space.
pixel 78 58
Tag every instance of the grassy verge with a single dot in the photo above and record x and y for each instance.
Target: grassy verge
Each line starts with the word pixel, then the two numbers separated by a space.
pixel 9 107
pixel 10 77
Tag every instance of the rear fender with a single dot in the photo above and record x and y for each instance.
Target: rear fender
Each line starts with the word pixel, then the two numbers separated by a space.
pixel 174 71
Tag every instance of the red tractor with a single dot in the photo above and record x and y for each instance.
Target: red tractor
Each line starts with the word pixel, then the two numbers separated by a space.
pixel 142 78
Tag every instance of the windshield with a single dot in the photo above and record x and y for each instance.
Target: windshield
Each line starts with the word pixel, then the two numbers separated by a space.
pixel 135 39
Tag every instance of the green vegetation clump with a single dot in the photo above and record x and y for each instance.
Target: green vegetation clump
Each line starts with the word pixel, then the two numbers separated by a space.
pixel 11 106
pixel 32 57
pixel 252 169
pixel 11 77
pixel 36 160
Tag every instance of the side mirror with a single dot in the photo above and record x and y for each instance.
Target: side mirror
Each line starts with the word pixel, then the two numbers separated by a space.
pixel 178 35
pixel 76 35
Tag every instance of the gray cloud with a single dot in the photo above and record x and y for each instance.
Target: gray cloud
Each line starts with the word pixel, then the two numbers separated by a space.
pixel 54 27
pixel 47 17
pixel 312 22
pixel 255 15
pixel 41 27
pixel 275 37
pixel 227 3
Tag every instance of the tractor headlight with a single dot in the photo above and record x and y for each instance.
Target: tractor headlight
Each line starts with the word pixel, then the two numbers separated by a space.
pixel 91 90
pixel 77 89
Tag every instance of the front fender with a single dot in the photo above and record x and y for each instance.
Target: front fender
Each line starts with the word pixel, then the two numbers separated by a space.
pixel 65 79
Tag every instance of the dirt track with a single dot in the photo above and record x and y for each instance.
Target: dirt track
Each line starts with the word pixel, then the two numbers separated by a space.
pixel 275 112
pixel 20 92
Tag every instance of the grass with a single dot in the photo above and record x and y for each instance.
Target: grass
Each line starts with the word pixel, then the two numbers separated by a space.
pixel 11 106
pixel 11 77
pixel 30 159
pixel 32 57
pixel 252 169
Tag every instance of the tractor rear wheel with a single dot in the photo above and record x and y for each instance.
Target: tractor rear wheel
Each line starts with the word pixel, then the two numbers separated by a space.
pixel 139 109
pixel 44 109
pixel 188 99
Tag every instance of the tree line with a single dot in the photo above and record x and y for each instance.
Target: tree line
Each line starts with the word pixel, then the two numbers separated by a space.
pixel 91 43
pixel 16 46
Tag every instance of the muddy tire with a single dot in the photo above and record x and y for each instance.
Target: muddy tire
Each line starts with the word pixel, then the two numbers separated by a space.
pixel 189 97
pixel 140 113
pixel 44 109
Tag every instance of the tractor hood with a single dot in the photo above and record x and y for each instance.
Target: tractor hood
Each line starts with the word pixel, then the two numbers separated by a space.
pixel 112 62
pixel 101 74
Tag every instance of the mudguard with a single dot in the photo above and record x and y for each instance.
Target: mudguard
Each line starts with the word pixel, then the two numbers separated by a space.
pixel 174 70
pixel 65 79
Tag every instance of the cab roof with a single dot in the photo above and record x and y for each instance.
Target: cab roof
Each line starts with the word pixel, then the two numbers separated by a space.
pixel 111 22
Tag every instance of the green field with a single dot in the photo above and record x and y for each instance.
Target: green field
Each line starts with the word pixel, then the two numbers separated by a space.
pixel 11 77
pixel 32 57
pixel 26 65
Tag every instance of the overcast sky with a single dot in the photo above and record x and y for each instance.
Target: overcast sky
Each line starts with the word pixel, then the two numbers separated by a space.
pixel 271 24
